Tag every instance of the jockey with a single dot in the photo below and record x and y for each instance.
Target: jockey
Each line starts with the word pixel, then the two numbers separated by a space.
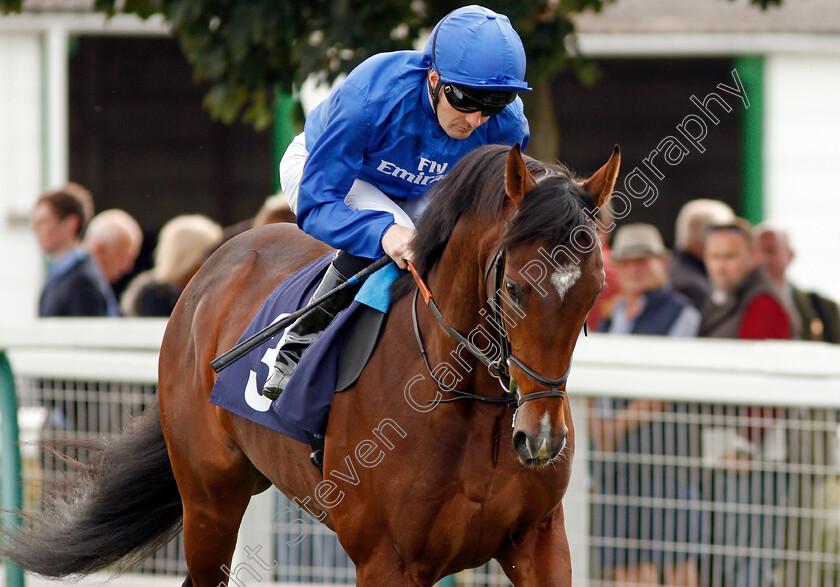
pixel 358 174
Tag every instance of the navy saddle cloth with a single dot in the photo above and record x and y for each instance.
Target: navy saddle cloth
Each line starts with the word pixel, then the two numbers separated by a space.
pixel 304 406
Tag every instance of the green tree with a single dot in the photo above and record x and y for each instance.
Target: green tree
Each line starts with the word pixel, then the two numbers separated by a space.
pixel 250 51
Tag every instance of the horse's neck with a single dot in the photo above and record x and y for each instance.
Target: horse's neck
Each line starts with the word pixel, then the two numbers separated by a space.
pixel 458 286
pixel 456 282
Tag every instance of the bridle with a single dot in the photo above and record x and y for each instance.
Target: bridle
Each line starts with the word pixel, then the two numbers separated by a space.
pixel 498 367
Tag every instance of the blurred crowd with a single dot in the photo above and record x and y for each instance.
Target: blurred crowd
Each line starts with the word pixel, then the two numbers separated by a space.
pixel 724 279
pixel 88 254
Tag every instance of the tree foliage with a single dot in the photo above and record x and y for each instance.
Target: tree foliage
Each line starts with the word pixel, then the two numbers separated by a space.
pixel 248 50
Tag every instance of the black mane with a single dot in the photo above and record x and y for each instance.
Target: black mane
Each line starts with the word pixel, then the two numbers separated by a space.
pixel 550 211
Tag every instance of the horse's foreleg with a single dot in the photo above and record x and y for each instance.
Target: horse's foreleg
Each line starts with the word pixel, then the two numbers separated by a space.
pixel 541 557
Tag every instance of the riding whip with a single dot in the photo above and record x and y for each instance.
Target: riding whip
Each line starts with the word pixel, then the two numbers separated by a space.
pixel 256 339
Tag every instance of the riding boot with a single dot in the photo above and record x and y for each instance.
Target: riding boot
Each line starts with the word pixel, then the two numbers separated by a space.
pixel 306 329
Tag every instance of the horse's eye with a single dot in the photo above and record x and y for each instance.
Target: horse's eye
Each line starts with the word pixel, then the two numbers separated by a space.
pixel 513 290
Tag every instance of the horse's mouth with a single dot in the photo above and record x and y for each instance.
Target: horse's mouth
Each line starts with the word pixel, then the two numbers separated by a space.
pixel 542 460
pixel 537 463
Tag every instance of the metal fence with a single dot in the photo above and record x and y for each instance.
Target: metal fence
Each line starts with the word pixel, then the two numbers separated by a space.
pixel 717 495
pixel 697 463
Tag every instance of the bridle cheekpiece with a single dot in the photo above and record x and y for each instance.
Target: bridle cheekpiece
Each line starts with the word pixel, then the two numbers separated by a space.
pixel 498 367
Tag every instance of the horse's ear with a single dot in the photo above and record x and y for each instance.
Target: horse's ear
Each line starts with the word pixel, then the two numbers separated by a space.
pixel 602 182
pixel 518 180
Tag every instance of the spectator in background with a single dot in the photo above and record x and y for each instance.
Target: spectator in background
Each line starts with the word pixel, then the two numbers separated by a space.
pixel 645 303
pixel 813 317
pixel 811 449
pixel 742 304
pixel 114 239
pixel 75 286
pixel 621 430
pixel 182 247
pixel 687 270
pixel 112 242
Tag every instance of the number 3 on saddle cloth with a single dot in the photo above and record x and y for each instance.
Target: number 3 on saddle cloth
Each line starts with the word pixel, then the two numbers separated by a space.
pixel 302 409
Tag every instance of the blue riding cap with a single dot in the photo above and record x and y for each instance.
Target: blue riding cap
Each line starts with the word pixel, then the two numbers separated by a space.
pixel 478 48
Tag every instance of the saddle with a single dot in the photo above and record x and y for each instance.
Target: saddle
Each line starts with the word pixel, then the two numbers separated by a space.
pixel 364 333
pixel 333 362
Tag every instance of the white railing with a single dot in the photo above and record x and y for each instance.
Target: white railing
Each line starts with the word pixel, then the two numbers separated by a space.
pixel 710 387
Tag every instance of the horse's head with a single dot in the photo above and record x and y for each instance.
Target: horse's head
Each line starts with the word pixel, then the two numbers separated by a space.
pixel 552 275
pixel 538 268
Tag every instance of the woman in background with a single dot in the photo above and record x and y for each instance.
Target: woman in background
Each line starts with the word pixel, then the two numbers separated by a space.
pixel 182 247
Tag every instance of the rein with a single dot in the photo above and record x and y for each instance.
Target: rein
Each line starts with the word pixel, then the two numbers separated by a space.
pixel 498 367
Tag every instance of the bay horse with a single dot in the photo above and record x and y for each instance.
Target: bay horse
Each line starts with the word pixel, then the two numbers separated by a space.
pixel 415 488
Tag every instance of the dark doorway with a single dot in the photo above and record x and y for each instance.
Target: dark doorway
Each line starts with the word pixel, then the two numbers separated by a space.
pixel 140 139
pixel 639 102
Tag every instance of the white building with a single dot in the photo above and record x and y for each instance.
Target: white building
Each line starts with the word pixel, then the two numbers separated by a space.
pixel 795 53
pixel 34 141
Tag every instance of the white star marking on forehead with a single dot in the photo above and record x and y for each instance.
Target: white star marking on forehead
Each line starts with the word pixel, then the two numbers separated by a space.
pixel 564 278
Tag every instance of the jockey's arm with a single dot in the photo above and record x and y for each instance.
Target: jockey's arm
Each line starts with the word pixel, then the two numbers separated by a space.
pixel 331 168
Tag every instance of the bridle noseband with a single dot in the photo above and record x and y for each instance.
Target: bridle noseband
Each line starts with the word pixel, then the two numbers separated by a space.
pixel 498 367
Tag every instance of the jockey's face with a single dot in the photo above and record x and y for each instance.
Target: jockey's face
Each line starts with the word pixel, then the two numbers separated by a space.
pixel 457 124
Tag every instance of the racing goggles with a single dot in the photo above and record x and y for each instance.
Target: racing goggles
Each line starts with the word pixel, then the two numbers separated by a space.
pixel 464 99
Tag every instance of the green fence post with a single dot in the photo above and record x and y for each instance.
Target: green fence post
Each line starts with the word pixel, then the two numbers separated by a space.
pixel 751 72
pixel 11 489
pixel 284 130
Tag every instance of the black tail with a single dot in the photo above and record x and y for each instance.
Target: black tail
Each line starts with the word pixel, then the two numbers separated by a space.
pixel 124 507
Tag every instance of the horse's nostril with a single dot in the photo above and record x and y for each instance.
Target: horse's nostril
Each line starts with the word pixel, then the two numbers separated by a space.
pixel 520 443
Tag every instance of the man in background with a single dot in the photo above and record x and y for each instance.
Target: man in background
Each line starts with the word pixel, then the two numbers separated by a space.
pixel 813 316
pixel 114 239
pixel 621 429
pixel 645 303
pixel 743 304
pixel 85 255
pixel 687 271
pixel 74 285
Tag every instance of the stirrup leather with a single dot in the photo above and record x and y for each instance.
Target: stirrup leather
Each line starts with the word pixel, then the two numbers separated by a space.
pixel 305 330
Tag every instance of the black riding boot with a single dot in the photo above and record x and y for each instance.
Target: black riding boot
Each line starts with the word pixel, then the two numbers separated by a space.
pixel 306 329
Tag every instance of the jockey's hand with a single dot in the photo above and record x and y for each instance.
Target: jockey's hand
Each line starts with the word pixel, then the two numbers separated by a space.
pixel 395 243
